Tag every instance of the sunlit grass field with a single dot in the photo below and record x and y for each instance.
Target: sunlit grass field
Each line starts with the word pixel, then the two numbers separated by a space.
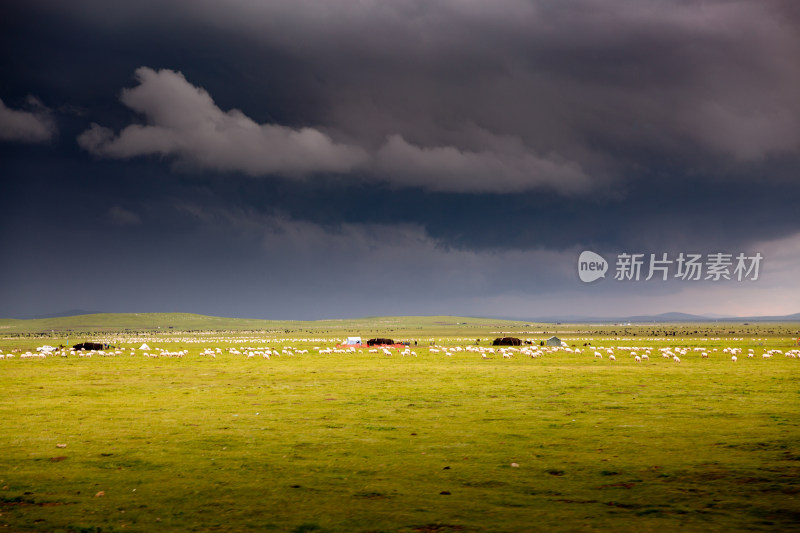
pixel 363 442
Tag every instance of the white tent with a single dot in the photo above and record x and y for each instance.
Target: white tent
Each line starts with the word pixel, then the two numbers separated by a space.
pixel 144 347
pixel 553 341
pixel 353 340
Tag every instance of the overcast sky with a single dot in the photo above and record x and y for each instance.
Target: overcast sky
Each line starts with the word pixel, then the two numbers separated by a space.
pixel 297 159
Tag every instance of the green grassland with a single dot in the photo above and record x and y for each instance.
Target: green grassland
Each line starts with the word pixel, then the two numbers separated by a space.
pixel 362 442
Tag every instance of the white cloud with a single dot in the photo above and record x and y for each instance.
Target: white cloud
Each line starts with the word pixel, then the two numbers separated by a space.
pixel 183 121
pixel 26 126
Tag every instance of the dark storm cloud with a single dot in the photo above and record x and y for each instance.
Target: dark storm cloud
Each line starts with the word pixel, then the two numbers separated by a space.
pixel 678 77
pixel 227 156
pixel 517 94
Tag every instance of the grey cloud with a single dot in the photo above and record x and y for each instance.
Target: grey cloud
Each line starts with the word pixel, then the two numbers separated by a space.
pixel 184 121
pixel 362 257
pixel 446 168
pixel 404 258
pixel 592 83
pixel 123 217
pixel 34 126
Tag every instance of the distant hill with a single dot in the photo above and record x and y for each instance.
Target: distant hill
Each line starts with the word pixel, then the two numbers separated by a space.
pixel 71 312
pixel 782 318
pixel 134 322
pixel 669 317
pixel 381 326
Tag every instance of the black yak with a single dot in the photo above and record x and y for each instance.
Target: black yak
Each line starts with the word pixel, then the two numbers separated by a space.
pixel 92 346
pixel 506 341
pixel 373 342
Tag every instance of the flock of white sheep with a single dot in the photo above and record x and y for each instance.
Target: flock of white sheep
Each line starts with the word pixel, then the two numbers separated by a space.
pixel 640 354
pixel 637 354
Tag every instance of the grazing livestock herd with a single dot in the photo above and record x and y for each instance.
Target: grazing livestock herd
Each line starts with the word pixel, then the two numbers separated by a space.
pixel 270 348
